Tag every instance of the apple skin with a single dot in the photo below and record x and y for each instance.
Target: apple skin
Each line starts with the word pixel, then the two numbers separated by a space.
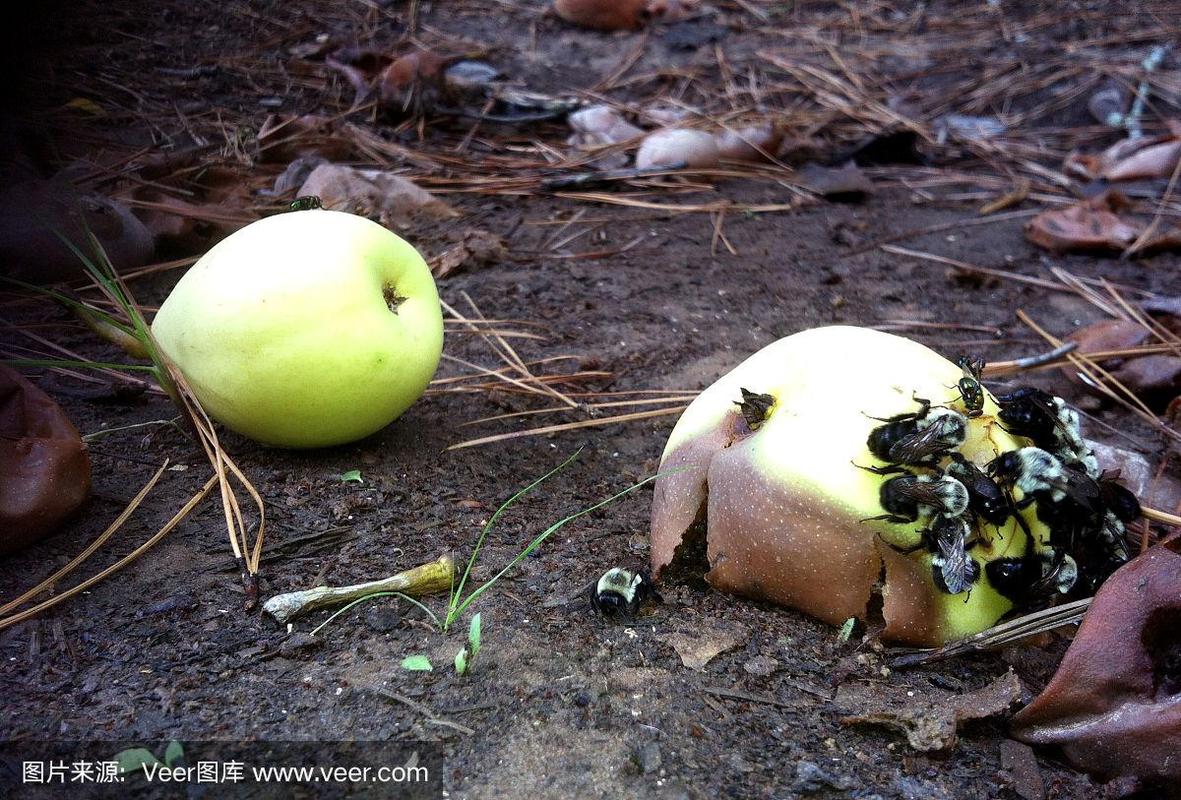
pixel 285 332
pixel 783 505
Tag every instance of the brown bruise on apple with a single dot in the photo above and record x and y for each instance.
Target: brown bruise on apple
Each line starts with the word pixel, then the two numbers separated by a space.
pixel 772 541
pixel 786 527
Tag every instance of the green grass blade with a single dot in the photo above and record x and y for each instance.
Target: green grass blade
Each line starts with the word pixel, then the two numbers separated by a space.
pixel 457 590
pixel 434 617
pixel 541 537
pixel 75 305
pixel 359 600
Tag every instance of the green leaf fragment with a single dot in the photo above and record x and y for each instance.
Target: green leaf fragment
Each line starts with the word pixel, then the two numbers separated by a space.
pixel 417 663
pixel 135 758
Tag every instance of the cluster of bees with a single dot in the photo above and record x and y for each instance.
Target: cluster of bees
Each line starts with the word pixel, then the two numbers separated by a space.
pixel 932 484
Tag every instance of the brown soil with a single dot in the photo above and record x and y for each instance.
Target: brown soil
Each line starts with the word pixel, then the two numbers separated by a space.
pixel 562 703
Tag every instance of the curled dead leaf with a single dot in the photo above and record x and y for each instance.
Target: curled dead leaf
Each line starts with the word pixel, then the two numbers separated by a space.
pixel 603 15
pixel 845 183
pixel 674 147
pixel 672 10
pixel 1088 225
pixel 388 198
pixel 1155 379
pixel 284 139
pixel 43 461
pixel 476 248
pixel 402 84
pixel 1114 705
pixel 1097 224
pixel 1142 158
pixel 33 213
pixel 599 126
pixel 750 143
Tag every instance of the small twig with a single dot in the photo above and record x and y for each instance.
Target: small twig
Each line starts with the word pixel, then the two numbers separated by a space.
pixel 422 709
pixel 1161 516
pixel 435 576
pixel 999 368
pixel 998 635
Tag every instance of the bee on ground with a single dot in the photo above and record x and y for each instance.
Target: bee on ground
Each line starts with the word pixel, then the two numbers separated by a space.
pixel 619 593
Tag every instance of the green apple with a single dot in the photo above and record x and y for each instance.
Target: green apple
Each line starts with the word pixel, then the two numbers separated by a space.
pixel 781 507
pixel 305 329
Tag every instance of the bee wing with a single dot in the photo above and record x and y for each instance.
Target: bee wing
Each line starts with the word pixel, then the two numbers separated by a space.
pixel 920 492
pixel 1084 491
pixel 917 446
pixel 957 566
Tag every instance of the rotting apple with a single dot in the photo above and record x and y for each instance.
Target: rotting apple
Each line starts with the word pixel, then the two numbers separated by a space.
pixel 305 329
pixel 781 506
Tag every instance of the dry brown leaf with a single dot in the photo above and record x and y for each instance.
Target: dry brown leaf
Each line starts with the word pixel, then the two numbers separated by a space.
pixel 836 183
pixel 406 76
pixel 33 213
pixel 672 10
pixel 284 139
pixel 1114 705
pixel 603 15
pixel 388 198
pixel 475 249
pixel 931 726
pixel 1088 225
pixel 1144 158
pixel 1095 225
pixel 674 147
pixel 705 643
pixel 1109 334
pixel 43 461
pixel 749 143
pixel 1155 379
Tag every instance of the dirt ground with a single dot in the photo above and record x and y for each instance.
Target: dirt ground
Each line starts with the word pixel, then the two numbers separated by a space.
pixel 561 703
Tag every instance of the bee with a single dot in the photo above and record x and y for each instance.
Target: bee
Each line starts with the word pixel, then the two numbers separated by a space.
pixel 918 438
pixel 909 497
pixel 1119 500
pixel 986 498
pixel 1073 507
pixel 620 592
pixel 971 392
pixel 1069 501
pixel 755 407
pixel 948 541
pixel 1050 423
pixel 1031 581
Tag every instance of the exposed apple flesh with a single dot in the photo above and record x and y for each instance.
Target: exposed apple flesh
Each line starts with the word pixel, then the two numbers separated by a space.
pixel 782 505
pixel 305 329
